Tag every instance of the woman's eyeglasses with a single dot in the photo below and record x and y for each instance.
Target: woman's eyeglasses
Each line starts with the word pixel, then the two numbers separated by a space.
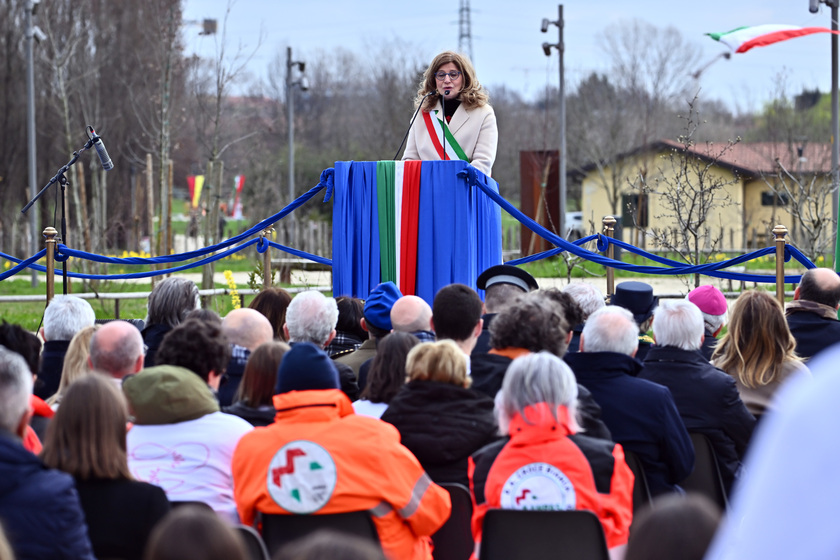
pixel 453 75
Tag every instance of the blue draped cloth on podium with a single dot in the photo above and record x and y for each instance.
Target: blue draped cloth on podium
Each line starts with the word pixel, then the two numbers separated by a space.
pixel 419 224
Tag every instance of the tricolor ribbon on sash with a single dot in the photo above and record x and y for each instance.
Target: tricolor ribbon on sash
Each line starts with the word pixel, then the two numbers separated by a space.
pixel 434 126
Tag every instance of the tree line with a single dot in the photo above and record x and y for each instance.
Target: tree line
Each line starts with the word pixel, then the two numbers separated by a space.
pixel 122 67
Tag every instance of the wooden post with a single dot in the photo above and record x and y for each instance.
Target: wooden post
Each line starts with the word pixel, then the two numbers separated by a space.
pixel 150 211
pixel 50 233
pixel 609 223
pixel 779 232
pixel 267 260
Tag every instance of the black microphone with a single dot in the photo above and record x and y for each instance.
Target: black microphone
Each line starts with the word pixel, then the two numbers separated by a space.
pixel 107 164
pixel 443 121
pixel 433 92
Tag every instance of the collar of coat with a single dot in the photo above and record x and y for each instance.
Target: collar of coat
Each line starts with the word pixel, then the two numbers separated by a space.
pixel 602 364
pixel 824 311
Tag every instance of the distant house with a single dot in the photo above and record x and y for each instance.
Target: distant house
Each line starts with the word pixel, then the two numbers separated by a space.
pixel 747 168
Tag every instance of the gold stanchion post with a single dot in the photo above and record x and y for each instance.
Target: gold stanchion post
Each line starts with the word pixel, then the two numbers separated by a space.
pixel 779 232
pixel 267 259
pixel 50 234
pixel 609 231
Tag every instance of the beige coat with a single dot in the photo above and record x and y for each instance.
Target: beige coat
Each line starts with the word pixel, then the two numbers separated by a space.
pixel 474 129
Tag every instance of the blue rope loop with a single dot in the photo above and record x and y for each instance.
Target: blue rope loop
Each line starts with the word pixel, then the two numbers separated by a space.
pixel 262 245
pixel 603 243
pixel 327 180
pixel 61 252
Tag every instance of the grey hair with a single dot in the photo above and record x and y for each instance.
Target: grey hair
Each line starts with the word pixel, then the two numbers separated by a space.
pixel 171 301
pixel 499 297
pixel 311 317
pixel 589 297
pixel 15 389
pixel 611 329
pixel 679 324
pixel 65 316
pixel 533 379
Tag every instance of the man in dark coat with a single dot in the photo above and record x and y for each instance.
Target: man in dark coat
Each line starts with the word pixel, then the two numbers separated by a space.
pixel 501 284
pixel 63 318
pixel 812 315
pixel 590 299
pixel 706 397
pixel 533 323
pixel 640 414
pixel 638 298
pixel 39 507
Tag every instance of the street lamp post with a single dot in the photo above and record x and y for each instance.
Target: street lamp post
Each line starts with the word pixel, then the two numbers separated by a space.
pixel 290 122
pixel 560 50
pixel 30 128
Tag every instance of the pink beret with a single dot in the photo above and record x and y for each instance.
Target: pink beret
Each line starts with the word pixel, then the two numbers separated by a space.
pixel 709 299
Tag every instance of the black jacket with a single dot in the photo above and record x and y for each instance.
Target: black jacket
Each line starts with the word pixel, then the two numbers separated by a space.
pixel 120 515
pixel 152 337
pixel 640 414
pixel 442 425
pixel 262 416
pixel 488 372
pixel 39 507
pixel 813 333
pixel 707 400
pixel 49 370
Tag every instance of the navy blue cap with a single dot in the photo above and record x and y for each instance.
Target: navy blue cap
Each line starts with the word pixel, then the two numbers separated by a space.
pixel 379 303
pixel 506 274
pixel 306 368
pixel 636 297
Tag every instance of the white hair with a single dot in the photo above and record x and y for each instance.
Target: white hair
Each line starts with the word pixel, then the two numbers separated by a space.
pixel 15 389
pixel 611 329
pixel 311 317
pixel 588 297
pixel 65 316
pixel 679 324
pixel 534 379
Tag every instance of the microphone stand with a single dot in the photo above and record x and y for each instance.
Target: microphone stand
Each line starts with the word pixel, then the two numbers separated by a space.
pixel 61 180
pixel 443 123
pixel 419 106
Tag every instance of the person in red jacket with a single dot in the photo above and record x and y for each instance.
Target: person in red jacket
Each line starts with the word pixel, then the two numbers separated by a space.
pixel 543 464
pixel 319 458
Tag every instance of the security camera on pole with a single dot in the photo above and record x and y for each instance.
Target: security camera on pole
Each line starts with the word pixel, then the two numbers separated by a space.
pixel 560 49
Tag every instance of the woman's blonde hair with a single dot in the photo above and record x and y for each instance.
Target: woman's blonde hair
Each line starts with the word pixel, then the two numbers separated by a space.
pixel 440 361
pixel 75 362
pixel 758 341
pixel 472 93
pixel 86 437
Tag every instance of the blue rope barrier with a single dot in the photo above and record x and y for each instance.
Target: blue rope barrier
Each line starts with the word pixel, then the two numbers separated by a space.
pixel 21 266
pixel 675 268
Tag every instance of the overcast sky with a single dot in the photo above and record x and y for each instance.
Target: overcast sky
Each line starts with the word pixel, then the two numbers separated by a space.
pixel 506 37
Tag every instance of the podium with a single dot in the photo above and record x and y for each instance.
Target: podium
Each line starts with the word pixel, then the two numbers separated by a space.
pixel 419 224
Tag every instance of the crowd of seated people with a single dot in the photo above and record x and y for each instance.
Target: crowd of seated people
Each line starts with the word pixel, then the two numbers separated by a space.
pixel 238 419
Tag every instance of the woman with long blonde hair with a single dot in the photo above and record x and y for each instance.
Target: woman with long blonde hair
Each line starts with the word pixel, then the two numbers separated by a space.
pixel 758 349
pixel 76 363
pixel 450 97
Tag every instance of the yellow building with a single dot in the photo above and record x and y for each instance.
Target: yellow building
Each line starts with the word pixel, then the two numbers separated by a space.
pixel 753 186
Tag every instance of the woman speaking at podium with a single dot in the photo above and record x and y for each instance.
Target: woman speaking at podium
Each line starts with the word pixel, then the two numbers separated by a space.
pixel 454 105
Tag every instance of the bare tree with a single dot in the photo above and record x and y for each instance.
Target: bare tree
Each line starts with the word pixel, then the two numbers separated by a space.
pixel 691 192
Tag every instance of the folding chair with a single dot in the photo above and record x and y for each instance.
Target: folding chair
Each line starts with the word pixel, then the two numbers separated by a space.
pixel 280 529
pixel 641 490
pixel 254 545
pixel 706 478
pixel 526 535
pixel 454 541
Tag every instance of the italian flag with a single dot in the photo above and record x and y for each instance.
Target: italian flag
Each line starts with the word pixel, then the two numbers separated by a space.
pixel 742 39
pixel 398 202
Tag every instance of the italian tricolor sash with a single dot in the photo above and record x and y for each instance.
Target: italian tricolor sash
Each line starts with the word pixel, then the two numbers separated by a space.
pixel 434 127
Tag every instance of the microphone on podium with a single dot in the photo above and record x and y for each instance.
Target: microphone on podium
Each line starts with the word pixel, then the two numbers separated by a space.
pixel 433 92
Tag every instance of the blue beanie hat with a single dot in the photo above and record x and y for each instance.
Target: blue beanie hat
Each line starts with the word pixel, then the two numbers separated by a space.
pixel 379 303
pixel 305 368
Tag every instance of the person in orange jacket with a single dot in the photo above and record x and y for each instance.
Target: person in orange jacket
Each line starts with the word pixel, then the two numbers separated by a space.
pixel 320 458
pixel 544 464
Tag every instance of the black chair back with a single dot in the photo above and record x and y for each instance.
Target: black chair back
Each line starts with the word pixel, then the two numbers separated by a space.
pixel 706 478
pixel 279 529
pixel 254 545
pixel 454 541
pixel 526 535
pixel 201 505
pixel 641 490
